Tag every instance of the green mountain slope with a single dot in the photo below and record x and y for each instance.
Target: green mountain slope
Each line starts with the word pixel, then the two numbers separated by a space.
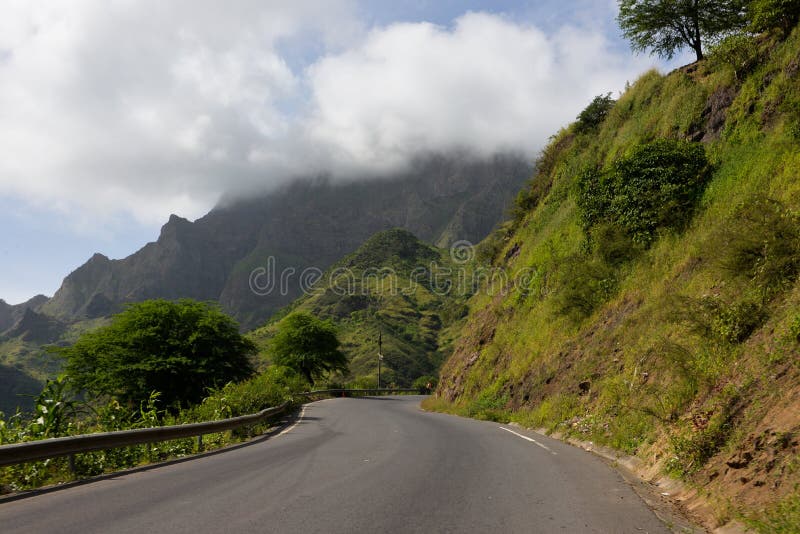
pixel 669 331
pixel 394 286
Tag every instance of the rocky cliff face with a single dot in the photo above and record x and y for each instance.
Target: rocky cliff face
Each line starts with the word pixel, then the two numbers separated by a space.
pixel 10 314
pixel 310 223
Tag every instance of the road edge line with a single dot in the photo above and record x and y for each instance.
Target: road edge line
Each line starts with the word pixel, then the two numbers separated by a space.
pixel 299 418
pixel 542 445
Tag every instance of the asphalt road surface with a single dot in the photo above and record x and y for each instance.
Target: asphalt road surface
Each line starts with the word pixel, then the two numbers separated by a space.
pixel 356 465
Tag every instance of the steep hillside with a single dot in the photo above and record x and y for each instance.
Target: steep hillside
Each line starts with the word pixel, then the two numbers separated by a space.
pixel 17 389
pixel 654 304
pixel 307 224
pixel 23 363
pixel 394 285
pixel 11 313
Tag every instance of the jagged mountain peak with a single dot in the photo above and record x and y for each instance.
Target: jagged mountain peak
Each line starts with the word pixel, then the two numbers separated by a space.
pixel 307 223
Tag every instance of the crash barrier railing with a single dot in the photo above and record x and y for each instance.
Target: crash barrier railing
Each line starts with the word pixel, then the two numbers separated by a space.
pixel 345 392
pixel 29 451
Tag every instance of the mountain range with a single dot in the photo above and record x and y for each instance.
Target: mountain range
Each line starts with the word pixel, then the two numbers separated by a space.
pixel 307 224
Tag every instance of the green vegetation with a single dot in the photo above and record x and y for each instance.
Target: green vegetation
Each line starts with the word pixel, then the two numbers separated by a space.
pixel 394 286
pixel 763 247
pixel 766 15
pixel 178 349
pixel 666 26
pixel 594 114
pixel 307 345
pixel 656 186
pixel 781 518
pixel 662 317
pixel 60 413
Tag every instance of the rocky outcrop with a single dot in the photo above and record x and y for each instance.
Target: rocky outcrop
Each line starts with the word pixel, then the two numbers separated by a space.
pixel 311 223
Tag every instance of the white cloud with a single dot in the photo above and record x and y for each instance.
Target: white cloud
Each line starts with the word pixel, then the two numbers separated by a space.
pixel 487 84
pixel 148 108
pixel 139 106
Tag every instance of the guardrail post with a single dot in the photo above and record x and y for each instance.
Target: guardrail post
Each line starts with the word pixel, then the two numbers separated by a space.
pixel 71 462
pixel 200 443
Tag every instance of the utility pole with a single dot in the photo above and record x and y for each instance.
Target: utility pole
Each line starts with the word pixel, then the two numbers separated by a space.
pixel 380 356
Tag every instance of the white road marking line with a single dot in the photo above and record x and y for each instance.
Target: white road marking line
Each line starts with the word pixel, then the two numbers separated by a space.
pixel 300 418
pixel 545 447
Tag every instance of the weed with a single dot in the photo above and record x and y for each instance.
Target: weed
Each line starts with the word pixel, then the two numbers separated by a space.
pixel 782 518
pixel 794 328
pixel 762 244
pixel 586 283
pixel 697 442
pixel 717 320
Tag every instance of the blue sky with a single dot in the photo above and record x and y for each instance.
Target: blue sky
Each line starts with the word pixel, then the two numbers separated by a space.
pixel 115 115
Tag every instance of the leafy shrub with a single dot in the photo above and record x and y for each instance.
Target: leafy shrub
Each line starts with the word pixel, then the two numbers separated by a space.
pixel 422 382
pixel 612 244
pixel 54 410
pixel 177 348
pixel 657 185
pixel 269 388
pixel 738 51
pixel 488 406
pixel 762 243
pixel 594 114
pixel 765 15
pixel 715 319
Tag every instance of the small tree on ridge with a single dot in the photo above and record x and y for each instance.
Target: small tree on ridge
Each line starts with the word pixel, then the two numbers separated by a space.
pixel 666 26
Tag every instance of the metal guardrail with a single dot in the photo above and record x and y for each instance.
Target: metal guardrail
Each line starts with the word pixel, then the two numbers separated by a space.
pixel 28 451
pixel 376 391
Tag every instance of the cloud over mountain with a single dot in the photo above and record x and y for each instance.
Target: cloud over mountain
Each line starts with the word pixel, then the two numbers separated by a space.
pixel 149 108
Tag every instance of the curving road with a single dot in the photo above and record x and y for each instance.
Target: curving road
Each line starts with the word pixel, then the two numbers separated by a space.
pixel 356 465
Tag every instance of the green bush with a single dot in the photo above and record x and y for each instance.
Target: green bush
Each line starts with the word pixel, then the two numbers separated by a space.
pixel 422 382
pixel 270 388
pixel 656 186
pixel 58 415
pixel 713 318
pixel 739 52
pixel 594 114
pixel 765 15
pixel 179 349
pixel 613 245
pixel 488 406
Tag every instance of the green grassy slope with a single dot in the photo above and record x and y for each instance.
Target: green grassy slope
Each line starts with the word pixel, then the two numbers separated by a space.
pixel 386 286
pixel 681 352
